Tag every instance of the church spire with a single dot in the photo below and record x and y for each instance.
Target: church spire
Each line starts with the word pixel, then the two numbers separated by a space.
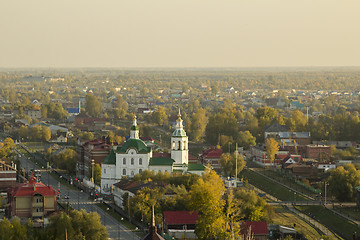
pixel 134 130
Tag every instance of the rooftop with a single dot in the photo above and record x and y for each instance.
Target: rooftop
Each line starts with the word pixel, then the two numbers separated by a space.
pixel 161 161
pixel 180 217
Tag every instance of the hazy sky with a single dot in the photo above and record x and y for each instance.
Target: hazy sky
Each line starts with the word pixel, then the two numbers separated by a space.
pixel 179 33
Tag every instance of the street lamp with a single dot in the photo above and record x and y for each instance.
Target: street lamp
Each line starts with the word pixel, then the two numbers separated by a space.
pixel 134 232
pixel 107 209
pixel 92 170
pixel 119 230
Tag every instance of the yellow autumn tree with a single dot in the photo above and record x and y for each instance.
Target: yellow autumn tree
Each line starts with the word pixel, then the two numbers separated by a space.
pixel 206 198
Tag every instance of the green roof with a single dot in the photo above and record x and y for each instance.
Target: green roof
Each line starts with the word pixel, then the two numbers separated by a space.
pixel 179 133
pixel 161 161
pixel 137 144
pixel 111 158
pixel 196 167
pixel 134 128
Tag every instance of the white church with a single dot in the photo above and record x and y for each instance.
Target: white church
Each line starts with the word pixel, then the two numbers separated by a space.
pixel 134 156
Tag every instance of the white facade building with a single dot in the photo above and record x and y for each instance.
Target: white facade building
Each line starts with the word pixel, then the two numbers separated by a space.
pixel 134 156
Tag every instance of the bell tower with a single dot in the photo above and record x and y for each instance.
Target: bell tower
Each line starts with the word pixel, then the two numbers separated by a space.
pixel 179 143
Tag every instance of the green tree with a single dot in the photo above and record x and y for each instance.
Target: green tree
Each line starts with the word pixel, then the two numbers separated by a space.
pixel 97 174
pixel 7 149
pixel 267 116
pixel 221 123
pixel 246 139
pixel 160 117
pixel 53 110
pixel 206 199
pixel 46 133
pixel 93 106
pixel 86 135
pixel 143 201
pixel 233 217
pixel 121 108
pixel 36 132
pixel 23 132
pixel 272 147
pixel 198 124
pixel 228 163
pixel 252 207
pixel 78 225
pixel 66 160
pixel 146 131
pixel 342 182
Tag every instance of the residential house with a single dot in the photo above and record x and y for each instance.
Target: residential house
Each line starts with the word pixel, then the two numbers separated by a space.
pixel 296 105
pixel 302 170
pixel 131 187
pixel 290 159
pixel 259 156
pixel 257 229
pixel 34 114
pixel 282 133
pixel 212 157
pixel 31 200
pixel 317 151
pixel 180 224
pixel 325 166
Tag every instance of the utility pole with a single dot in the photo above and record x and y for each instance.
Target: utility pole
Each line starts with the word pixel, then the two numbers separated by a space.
pixel 325 194
pixel 236 153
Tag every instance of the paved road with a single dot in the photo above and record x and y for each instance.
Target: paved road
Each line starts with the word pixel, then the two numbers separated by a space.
pixel 80 200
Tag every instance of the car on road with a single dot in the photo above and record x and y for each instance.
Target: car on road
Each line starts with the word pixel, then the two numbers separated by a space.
pixel 67 196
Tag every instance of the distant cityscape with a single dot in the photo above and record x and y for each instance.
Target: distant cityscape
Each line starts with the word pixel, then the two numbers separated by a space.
pixel 265 153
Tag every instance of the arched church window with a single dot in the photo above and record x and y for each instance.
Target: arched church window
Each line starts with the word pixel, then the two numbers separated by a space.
pixel 132 161
pixel 140 161
pixel 124 171
pixel 140 170
pixel 124 161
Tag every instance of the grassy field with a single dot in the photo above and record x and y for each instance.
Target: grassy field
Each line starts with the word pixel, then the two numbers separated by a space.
pixel 286 218
pixel 288 182
pixel 270 187
pixel 352 212
pixel 334 222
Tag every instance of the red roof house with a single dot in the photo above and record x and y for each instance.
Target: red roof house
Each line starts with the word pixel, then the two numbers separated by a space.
pixel 178 219
pixel 32 199
pixel 212 156
pixel 258 230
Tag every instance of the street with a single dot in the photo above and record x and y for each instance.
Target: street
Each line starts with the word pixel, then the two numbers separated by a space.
pixel 79 200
